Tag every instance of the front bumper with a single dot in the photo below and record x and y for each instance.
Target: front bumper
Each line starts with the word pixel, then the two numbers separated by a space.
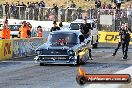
pixel 58 59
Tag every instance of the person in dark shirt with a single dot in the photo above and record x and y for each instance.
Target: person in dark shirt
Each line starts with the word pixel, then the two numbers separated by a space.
pixel 55 27
pixel 85 29
pixel 97 3
pixel 7 6
pixel 119 42
pixel 125 38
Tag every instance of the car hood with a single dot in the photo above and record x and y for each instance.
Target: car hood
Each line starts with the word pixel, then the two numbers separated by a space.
pixel 48 46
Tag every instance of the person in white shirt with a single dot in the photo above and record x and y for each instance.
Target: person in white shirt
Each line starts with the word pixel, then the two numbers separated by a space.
pixel 129 11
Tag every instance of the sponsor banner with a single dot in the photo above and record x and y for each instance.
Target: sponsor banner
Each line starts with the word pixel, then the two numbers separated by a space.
pixel 26 47
pixel 5 49
pixel 110 37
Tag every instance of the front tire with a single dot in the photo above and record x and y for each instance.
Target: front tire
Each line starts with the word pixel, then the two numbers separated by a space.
pixel 41 64
pixel 95 45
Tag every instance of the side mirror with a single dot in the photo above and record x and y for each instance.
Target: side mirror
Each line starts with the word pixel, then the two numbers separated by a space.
pixel 81 38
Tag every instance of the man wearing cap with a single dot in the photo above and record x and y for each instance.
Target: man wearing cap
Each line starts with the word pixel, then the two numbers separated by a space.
pixel 55 27
pixel 23 30
pixel 5 33
pixel 85 29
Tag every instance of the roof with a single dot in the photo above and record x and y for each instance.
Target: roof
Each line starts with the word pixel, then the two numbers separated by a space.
pixel 67 31
pixel 81 21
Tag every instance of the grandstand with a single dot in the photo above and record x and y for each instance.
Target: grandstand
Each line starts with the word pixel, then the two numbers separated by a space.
pixel 79 3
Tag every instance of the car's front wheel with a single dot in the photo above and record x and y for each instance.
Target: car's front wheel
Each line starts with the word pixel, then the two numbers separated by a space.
pixel 41 64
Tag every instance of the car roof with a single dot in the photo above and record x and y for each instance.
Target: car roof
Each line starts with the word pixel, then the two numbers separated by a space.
pixel 77 32
pixel 81 21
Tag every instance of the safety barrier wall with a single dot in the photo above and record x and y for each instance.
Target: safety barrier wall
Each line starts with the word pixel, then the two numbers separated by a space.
pixel 110 37
pixel 16 48
pixel 26 47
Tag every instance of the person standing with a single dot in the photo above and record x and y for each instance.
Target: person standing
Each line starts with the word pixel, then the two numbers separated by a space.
pixel 29 29
pixel 85 29
pixel 5 33
pixel 39 31
pixel 7 10
pixel 55 27
pixel 23 30
pixel 119 42
pixel 125 40
pixel 118 4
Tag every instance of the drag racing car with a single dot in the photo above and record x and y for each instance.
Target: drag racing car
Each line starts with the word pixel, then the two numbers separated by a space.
pixel 63 47
pixel 75 25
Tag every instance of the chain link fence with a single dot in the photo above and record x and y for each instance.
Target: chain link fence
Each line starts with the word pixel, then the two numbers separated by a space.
pixel 118 18
pixel 68 15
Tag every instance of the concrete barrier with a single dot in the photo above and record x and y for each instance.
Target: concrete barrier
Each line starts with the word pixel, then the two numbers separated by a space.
pixel 16 48
pixel 5 49
pixel 26 47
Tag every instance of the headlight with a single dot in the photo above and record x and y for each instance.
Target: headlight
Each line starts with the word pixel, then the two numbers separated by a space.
pixel 71 52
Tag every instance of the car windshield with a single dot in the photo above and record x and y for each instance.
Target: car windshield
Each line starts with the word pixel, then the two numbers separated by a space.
pixel 14 27
pixel 63 39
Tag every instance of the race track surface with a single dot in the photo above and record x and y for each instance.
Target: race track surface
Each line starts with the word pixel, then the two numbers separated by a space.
pixel 25 73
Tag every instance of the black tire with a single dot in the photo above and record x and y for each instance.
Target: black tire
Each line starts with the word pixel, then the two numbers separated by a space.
pixel 95 45
pixel 81 80
pixel 41 64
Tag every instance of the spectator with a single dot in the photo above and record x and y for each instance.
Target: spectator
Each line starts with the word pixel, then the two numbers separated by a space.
pixel 5 33
pixel 36 11
pixel 118 4
pixel 79 13
pixel 22 10
pixel 62 13
pixel 41 4
pixel 73 5
pixel 129 11
pixel 55 10
pixel 7 10
pixel 109 6
pixel 39 31
pixel 41 7
pixel 23 30
pixel 97 4
pixel 1 11
pixel 104 5
pixel 31 7
pixel 12 10
pixel 29 29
